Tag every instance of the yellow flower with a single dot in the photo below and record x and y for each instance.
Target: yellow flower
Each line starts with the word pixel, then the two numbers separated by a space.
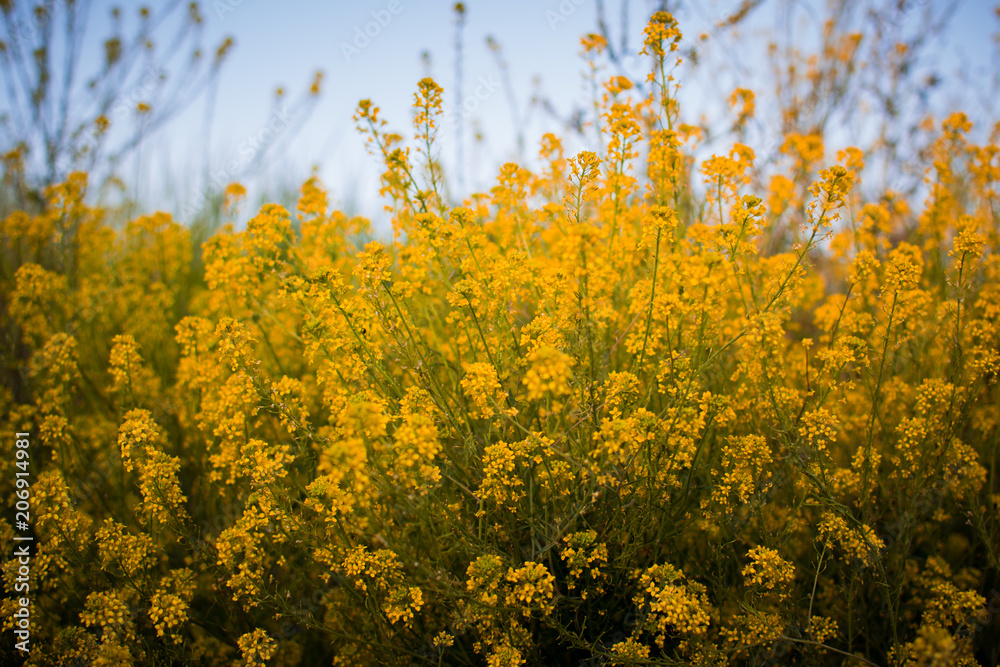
pixel 109 611
pixel 806 149
pixel 169 604
pixel 629 650
pixel 744 98
pixel 481 385
pixel 662 27
pixel 549 373
pixel 675 606
pixel 593 43
pixel 531 588
pixel 859 544
pixel 768 570
pixel 257 648
pixel 232 196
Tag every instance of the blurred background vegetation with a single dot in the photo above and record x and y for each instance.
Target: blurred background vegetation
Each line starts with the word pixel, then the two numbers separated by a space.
pixel 131 94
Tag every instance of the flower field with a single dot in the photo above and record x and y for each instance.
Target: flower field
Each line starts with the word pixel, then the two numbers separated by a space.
pixel 621 409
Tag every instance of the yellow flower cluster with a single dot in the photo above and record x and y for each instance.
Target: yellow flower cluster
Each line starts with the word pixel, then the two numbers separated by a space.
pixel 169 604
pixel 483 388
pixel 676 399
pixel 257 648
pixel 584 552
pixel 531 588
pixel 380 575
pixel 676 607
pixel 416 447
pixel 548 374
pixel 858 543
pixel 745 461
pixel 768 570
pixel 122 551
pixel 109 611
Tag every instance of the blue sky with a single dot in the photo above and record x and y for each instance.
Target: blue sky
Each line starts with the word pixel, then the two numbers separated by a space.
pixel 284 43
pixel 540 41
pixel 284 47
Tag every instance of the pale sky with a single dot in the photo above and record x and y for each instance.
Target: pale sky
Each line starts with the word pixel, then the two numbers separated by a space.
pixel 283 43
